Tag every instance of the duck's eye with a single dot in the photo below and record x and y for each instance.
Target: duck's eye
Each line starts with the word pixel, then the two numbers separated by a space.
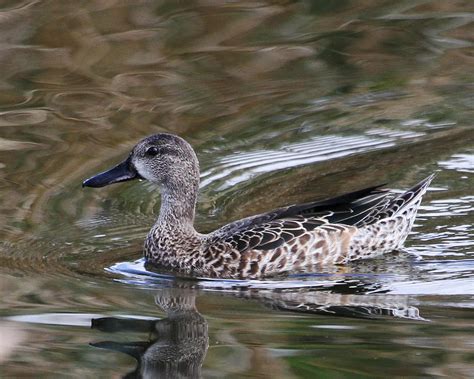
pixel 152 151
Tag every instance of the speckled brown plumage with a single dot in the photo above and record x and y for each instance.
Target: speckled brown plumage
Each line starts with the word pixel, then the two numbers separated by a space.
pixel 356 225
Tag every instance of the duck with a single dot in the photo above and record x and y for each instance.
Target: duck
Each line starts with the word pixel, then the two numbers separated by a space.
pixel 357 225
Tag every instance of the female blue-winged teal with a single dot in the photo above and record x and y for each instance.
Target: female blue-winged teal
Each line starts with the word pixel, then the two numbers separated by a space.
pixel 356 225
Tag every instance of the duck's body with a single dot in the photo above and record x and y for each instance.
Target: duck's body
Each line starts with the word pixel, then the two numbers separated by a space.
pixel 357 225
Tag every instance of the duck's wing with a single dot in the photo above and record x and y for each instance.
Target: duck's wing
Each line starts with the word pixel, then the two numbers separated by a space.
pixel 355 209
pixel 270 230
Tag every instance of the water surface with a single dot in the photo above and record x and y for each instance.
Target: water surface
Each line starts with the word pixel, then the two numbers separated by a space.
pixel 284 102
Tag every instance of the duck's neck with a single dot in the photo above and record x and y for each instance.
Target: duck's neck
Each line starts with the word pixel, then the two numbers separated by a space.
pixel 178 205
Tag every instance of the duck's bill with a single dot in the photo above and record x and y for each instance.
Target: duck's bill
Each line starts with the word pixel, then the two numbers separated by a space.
pixel 120 173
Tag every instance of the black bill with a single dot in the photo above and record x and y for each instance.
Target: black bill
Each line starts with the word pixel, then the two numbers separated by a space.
pixel 120 173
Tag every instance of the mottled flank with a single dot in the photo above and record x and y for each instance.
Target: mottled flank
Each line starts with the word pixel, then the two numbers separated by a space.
pixel 356 225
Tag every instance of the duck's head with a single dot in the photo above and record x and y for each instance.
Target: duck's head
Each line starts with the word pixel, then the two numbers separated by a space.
pixel 163 159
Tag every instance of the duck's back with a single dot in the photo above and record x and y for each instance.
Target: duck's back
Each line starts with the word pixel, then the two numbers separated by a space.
pixel 358 225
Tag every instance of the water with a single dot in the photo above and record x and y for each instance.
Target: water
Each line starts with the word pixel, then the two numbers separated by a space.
pixel 284 102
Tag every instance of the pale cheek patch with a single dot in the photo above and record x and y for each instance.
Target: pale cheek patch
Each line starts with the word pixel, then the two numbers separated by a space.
pixel 143 170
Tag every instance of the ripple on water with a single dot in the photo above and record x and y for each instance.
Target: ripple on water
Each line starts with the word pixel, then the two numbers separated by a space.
pixel 459 162
pixel 239 167
pixel 461 206
pixel 144 85
pixel 136 273
pixel 7 144
pixel 118 226
pixel 23 117
pixel 331 293
pixel 435 277
pixel 447 233
pixel 87 105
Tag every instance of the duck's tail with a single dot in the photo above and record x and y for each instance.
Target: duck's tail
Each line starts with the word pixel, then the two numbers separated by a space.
pixel 388 229
pixel 406 206
pixel 410 199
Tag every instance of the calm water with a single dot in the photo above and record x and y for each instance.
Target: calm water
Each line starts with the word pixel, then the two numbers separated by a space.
pixel 284 102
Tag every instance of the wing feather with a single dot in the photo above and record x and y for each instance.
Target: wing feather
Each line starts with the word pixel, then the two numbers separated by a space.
pixel 271 230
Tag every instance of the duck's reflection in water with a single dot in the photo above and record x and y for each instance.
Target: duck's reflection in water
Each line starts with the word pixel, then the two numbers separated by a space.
pixel 340 304
pixel 176 345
